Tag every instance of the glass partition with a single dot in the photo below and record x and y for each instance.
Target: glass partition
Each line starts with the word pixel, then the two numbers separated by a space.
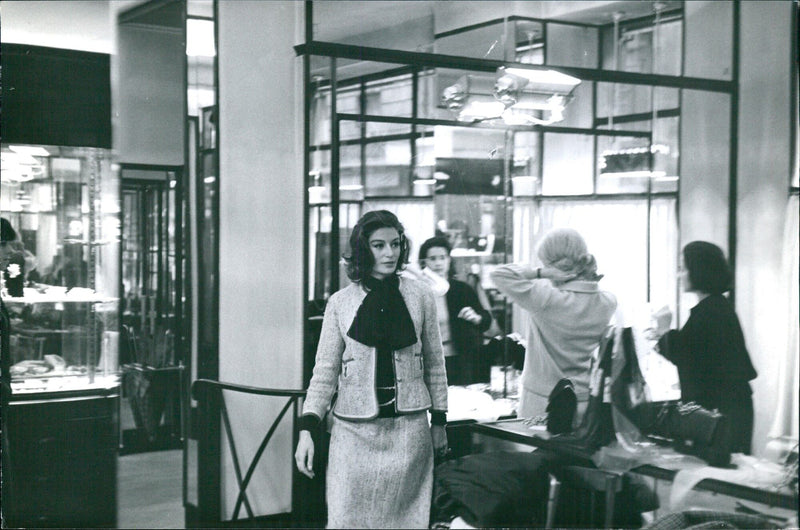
pixel 466 143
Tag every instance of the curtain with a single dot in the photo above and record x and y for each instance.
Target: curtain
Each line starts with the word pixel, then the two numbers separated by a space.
pixel 616 233
pixel 785 424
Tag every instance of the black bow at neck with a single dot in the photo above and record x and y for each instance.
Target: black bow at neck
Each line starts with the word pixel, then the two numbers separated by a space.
pixel 383 320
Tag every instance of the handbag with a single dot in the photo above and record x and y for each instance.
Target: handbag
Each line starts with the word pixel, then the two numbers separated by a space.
pixel 701 432
pixel 561 407
pixel 693 429
pixel 597 425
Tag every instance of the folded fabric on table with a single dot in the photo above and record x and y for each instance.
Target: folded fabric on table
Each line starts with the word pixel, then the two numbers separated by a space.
pixel 502 488
pixel 510 489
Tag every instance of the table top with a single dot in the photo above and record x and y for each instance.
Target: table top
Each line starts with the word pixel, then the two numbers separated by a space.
pixel 517 430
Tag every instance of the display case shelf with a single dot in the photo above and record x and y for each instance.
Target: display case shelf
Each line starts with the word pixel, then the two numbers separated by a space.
pixel 63 329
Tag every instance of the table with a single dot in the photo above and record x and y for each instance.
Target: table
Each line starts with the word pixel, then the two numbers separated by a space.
pixel 515 430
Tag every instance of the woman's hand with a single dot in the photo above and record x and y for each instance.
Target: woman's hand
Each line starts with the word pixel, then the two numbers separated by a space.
pixel 304 455
pixel 439 438
pixel 470 315
pixel 556 275
pixel 662 319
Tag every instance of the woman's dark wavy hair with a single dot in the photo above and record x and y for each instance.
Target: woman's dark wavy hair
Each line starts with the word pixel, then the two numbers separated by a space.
pixel 359 263
pixel 707 267
pixel 436 242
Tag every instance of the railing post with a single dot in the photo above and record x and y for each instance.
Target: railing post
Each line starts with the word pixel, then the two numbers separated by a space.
pixel 209 491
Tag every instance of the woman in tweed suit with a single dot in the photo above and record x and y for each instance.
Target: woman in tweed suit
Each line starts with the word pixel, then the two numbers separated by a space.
pixel 380 349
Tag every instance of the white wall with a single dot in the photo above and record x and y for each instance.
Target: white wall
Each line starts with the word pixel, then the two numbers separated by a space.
pixel 762 176
pixel 764 168
pixel 261 236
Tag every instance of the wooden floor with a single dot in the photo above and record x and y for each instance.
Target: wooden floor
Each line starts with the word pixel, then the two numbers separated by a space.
pixel 149 489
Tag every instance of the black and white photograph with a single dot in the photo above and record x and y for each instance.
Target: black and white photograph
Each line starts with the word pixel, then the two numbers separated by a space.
pixel 384 264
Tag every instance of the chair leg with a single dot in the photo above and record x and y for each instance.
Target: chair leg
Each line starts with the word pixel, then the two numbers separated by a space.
pixel 552 501
pixel 611 493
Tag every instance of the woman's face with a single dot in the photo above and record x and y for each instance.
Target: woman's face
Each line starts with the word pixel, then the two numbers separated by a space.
pixel 438 260
pixel 384 243
pixel 683 277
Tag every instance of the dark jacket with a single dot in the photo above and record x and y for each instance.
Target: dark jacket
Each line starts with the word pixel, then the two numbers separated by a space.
pixel 713 364
pixel 467 337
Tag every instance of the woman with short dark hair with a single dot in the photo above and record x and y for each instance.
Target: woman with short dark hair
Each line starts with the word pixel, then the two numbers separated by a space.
pixel 713 364
pixel 462 318
pixel 381 351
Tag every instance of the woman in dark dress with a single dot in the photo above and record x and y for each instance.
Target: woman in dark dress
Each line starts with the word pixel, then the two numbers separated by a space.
pixel 462 318
pixel 709 351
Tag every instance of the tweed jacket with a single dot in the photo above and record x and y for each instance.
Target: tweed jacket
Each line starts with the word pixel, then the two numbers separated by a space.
pixel 348 366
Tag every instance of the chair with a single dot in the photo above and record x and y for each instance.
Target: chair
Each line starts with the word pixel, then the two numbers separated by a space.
pixel 585 479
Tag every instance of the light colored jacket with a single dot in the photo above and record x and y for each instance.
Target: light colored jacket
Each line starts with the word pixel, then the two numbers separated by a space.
pixel 567 322
pixel 350 366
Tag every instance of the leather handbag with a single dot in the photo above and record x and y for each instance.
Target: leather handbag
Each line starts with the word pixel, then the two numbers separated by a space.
pixel 597 425
pixel 692 429
pixel 561 407
pixel 701 432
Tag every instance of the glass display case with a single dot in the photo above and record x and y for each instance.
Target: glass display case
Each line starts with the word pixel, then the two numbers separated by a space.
pixel 61 275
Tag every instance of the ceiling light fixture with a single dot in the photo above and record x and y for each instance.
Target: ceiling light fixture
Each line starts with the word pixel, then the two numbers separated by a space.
pixel 20 166
pixel 519 96
pixel 29 150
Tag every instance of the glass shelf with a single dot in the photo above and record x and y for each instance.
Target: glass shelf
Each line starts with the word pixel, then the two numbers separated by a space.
pixel 64 328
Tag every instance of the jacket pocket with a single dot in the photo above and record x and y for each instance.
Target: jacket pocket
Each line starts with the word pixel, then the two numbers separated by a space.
pixel 418 361
pixel 345 362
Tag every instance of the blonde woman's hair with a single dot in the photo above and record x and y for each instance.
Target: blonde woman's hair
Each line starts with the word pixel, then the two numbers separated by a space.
pixel 565 249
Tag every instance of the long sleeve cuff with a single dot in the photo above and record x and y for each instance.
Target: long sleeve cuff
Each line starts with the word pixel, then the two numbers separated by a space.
pixel 308 422
pixel 438 417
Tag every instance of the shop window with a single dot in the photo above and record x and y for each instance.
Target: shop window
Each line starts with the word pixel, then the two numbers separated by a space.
pixel 388 168
pixel 568 164
pixel 495 187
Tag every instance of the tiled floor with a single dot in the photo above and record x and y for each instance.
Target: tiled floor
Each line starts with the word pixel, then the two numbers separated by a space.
pixel 149 490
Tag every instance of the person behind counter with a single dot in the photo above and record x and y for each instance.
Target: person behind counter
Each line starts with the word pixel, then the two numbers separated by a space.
pixel 713 364
pixel 12 259
pixel 568 316
pixel 380 344
pixel 462 318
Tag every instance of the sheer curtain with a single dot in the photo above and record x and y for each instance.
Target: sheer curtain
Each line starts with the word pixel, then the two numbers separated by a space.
pixel 785 425
pixel 616 233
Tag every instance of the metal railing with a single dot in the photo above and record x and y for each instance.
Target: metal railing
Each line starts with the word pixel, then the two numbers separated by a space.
pixel 212 406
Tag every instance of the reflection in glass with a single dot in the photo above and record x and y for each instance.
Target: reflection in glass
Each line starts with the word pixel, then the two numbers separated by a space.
pixel 624 165
pixel 388 168
pixel 569 45
pixel 64 205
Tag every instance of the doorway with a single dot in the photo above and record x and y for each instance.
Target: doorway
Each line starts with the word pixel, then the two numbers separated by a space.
pixel 151 361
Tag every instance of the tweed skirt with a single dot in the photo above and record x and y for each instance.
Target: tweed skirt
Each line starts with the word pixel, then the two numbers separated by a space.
pixel 380 473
